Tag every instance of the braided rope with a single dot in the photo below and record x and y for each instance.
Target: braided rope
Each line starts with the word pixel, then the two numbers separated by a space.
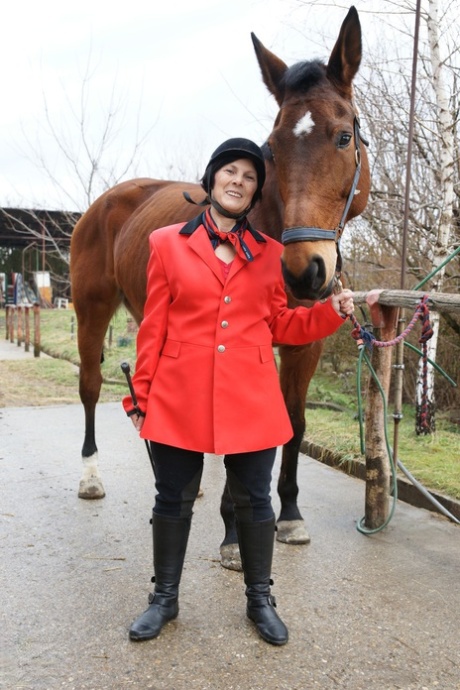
pixel 367 339
pixel 364 337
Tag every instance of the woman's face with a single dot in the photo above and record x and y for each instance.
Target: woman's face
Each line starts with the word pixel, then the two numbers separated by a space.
pixel 235 184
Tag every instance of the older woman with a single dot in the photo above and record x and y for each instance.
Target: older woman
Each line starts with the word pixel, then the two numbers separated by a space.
pixel 206 379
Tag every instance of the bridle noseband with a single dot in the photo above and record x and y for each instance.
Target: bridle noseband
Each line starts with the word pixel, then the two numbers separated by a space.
pixel 312 234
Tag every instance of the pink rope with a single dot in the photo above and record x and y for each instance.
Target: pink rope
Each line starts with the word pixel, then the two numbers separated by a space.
pixel 421 312
pixel 366 338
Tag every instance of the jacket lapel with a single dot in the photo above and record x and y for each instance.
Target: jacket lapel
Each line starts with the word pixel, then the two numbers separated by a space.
pixel 199 242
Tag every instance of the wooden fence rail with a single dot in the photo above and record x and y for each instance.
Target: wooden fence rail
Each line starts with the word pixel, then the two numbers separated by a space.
pixel 437 301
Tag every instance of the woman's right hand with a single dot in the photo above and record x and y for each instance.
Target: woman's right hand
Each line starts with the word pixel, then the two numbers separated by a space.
pixel 138 421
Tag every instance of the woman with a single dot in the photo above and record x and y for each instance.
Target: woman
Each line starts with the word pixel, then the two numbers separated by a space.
pixel 206 379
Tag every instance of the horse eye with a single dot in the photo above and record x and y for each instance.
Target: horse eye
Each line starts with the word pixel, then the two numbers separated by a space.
pixel 343 140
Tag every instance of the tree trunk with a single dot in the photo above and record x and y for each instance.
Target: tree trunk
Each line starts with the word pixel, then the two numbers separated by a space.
pixel 425 398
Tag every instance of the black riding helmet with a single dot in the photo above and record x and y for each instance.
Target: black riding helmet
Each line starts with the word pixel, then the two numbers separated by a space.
pixel 229 151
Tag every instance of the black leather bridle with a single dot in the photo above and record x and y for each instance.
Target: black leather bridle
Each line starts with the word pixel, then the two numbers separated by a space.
pixel 312 234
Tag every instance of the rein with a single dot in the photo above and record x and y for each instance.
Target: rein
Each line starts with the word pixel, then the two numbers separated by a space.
pixel 312 234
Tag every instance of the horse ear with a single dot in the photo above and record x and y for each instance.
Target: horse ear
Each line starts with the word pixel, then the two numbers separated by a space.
pixel 346 55
pixel 272 68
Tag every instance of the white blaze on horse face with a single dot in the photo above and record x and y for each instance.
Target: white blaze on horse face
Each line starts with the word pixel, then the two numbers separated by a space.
pixel 304 125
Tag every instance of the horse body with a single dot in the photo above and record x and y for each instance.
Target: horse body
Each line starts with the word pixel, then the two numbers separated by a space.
pixel 312 156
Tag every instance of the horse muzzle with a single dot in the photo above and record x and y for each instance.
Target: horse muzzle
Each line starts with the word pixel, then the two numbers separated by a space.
pixel 315 281
pixel 312 283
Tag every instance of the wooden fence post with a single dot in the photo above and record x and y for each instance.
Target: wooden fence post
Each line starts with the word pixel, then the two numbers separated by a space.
pixel 11 326
pixel 19 326
pixel 36 330
pixel 7 321
pixel 378 474
pixel 27 329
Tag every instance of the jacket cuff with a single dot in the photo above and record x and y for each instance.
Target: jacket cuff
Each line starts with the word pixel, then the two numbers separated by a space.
pixel 130 410
pixel 137 411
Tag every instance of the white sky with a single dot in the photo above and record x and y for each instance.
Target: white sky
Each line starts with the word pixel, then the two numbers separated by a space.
pixel 180 76
pixel 183 71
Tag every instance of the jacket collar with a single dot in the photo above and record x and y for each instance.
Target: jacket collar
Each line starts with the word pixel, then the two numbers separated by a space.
pixel 200 243
pixel 190 227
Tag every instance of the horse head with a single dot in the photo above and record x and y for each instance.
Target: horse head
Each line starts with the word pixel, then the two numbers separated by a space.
pixel 317 157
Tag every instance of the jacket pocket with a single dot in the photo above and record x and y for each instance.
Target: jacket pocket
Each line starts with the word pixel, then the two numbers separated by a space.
pixel 171 348
pixel 266 353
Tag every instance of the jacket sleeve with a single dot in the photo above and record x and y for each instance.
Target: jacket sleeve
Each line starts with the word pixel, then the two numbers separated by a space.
pixel 301 325
pixel 152 330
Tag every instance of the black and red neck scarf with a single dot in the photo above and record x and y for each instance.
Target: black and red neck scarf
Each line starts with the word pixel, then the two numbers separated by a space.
pixel 235 236
pixel 192 225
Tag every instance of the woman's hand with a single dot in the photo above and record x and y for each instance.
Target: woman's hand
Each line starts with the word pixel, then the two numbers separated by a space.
pixel 138 421
pixel 343 302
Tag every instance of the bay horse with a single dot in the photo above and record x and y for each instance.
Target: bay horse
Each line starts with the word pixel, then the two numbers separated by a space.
pixel 317 178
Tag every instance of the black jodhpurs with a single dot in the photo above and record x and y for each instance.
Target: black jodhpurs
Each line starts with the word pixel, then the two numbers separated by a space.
pixel 178 477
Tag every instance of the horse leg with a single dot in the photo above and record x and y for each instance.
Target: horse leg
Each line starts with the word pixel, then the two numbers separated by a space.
pixel 229 550
pixel 93 321
pixel 297 366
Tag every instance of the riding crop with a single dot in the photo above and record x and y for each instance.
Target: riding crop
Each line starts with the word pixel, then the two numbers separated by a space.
pixel 127 372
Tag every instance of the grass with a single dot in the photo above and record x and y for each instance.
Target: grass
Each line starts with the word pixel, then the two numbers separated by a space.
pixel 434 459
pixel 44 381
pixel 58 339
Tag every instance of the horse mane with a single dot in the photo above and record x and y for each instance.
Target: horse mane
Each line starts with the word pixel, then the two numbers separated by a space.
pixel 302 76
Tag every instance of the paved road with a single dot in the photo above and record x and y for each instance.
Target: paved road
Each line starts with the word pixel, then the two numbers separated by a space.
pixel 364 613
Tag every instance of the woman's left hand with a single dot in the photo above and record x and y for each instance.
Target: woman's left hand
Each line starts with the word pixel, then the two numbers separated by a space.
pixel 343 302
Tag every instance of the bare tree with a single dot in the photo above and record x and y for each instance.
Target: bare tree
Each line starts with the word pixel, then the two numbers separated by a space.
pixel 383 96
pixel 81 155
pixel 86 140
pixel 445 124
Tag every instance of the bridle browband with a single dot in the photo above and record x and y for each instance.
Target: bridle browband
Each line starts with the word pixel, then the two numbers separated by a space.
pixel 312 234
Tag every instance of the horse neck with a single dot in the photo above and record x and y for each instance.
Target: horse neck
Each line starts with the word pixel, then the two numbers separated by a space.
pixel 268 214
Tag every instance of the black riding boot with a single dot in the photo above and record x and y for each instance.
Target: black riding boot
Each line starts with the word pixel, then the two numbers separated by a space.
pixel 256 541
pixel 170 536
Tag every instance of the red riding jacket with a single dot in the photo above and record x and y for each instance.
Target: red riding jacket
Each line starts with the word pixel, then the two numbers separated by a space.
pixel 206 375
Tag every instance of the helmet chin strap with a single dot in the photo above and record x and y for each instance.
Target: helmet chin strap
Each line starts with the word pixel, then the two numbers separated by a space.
pixel 223 212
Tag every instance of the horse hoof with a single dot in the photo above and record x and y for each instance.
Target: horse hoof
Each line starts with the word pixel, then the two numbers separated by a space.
pixel 230 557
pixel 292 532
pixel 91 489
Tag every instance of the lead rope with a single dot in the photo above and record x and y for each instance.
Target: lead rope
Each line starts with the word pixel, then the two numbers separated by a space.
pixel 366 338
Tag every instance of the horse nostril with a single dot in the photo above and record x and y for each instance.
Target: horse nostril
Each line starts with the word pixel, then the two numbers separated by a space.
pixel 318 273
pixel 311 284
